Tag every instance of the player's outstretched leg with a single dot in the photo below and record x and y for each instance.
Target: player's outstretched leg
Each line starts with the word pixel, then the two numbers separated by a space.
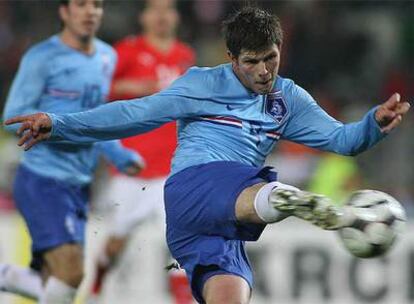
pixel 311 207
pixel 275 201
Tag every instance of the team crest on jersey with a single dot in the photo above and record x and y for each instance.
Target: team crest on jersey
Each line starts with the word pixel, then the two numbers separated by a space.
pixel 276 106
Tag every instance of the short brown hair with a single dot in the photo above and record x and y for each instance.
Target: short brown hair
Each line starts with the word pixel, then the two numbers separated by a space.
pixel 251 29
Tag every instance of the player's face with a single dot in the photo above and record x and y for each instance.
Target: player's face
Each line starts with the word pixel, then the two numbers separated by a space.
pixel 257 71
pixel 82 18
pixel 160 18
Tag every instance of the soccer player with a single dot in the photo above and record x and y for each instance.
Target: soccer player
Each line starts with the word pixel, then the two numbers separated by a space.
pixel 229 118
pixel 146 64
pixel 69 72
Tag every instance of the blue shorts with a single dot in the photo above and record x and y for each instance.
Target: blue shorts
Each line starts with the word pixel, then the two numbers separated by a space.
pixel 203 234
pixel 55 213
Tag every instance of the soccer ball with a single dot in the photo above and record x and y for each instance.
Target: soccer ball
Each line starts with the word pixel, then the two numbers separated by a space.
pixel 379 220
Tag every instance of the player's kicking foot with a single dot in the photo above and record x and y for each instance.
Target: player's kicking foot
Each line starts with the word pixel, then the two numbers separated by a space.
pixel 311 207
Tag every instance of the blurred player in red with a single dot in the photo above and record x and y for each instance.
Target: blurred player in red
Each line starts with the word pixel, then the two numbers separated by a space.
pixel 147 63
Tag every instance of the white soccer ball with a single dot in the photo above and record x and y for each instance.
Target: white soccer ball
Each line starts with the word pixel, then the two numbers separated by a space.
pixel 380 218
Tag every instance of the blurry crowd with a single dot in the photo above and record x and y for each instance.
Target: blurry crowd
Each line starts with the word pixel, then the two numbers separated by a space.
pixel 348 54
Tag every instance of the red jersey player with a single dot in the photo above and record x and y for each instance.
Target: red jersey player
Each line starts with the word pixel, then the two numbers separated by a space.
pixel 147 63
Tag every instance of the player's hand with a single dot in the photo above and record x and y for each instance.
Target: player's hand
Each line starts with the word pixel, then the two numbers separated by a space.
pixel 389 114
pixel 134 168
pixel 34 128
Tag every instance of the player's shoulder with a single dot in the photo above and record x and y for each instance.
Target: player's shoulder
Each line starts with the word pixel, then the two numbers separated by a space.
pixel 206 74
pixel 202 80
pixel 43 49
pixel 292 93
pixel 289 88
pixel 104 47
pixel 284 84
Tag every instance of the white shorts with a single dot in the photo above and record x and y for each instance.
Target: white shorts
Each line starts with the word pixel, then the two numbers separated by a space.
pixel 132 200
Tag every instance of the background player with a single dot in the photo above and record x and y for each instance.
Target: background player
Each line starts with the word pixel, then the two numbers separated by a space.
pixel 230 118
pixel 68 72
pixel 146 64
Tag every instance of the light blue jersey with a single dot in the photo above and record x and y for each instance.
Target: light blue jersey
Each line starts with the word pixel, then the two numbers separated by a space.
pixel 220 120
pixel 55 78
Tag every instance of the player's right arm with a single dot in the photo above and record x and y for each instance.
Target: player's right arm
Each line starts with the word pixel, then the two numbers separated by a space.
pixel 27 87
pixel 117 119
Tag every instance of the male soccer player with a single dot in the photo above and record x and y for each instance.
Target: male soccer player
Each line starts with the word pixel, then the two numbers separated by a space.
pixel 229 118
pixel 146 64
pixel 68 72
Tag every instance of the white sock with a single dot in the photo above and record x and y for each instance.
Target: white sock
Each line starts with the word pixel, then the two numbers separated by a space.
pixel 19 280
pixel 57 292
pixel 264 210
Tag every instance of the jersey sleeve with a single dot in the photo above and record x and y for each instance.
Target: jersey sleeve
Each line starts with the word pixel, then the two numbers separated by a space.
pixel 27 87
pixel 130 117
pixel 310 125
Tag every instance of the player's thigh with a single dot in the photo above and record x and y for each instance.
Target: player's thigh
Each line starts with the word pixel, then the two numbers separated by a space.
pixel 65 262
pixel 226 289
pixel 202 199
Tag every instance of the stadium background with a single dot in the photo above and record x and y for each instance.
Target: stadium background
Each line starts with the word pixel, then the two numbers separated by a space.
pixel 350 55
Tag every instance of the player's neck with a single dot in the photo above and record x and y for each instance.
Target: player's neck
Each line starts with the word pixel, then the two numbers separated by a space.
pixel 162 44
pixel 82 45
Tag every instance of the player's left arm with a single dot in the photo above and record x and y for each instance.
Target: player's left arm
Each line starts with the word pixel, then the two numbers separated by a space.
pixel 113 120
pixel 186 97
pixel 124 159
pixel 309 124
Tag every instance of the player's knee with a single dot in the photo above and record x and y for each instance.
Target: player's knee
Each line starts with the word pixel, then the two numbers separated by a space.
pixel 72 276
pixel 226 289
pixel 115 246
pixel 74 272
pixel 66 263
pixel 253 206
pixel 75 278
pixel 244 208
